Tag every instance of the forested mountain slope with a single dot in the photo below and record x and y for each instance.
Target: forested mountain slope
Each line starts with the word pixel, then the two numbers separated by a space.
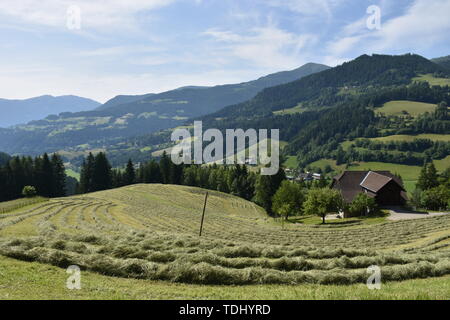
pixel 318 113
pixel 126 116
pixel 326 88
pixel 443 61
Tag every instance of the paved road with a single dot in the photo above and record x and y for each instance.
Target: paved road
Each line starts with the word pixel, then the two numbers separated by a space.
pixel 402 214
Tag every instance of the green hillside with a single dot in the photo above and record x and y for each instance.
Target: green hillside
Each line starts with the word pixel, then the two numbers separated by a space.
pixel 410 138
pixel 402 108
pixel 126 116
pixel 443 61
pixel 432 80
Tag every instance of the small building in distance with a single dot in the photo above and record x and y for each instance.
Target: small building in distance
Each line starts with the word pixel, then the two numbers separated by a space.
pixel 305 176
pixel 386 188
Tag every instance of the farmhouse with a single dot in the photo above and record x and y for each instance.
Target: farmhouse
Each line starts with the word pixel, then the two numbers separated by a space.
pixel 386 188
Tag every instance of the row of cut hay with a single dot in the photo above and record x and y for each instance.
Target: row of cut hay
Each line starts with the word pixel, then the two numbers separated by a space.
pixel 13 205
pixel 205 273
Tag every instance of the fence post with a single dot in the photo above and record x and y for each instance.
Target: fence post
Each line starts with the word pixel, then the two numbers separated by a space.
pixel 203 215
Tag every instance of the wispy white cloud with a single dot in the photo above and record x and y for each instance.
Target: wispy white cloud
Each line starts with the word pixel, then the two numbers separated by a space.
pixel 308 7
pixel 99 14
pixel 424 24
pixel 267 46
pixel 119 51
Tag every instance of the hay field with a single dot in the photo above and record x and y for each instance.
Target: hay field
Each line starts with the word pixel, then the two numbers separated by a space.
pixel 150 232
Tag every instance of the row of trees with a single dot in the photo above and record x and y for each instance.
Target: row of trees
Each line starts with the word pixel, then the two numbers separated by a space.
pixel 291 199
pixel 97 174
pixel 364 155
pixel 275 194
pixel 417 145
pixel 432 190
pixel 46 174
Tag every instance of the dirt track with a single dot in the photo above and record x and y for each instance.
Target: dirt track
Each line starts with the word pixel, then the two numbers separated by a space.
pixel 402 214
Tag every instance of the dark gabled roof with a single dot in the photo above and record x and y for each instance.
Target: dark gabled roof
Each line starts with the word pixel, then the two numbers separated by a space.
pixel 350 183
pixel 374 181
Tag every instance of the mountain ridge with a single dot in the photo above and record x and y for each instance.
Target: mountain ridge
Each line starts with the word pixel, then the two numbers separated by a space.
pixel 144 114
pixel 17 111
pixel 443 61
pixel 364 70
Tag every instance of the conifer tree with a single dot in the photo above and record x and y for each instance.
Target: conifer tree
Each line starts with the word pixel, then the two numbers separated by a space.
pixel 87 170
pixel 164 164
pixel 101 174
pixel 130 174
pixel 59 176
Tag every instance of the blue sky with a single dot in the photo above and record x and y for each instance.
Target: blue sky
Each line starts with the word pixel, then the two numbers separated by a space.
pixel 143 46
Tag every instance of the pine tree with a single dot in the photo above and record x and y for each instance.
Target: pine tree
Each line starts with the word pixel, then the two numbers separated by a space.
pixel 102 175
pixel 164 165
pixel 175 173
pixel 428 177
pixel 59 176
pixel 422 181
pixel 87 170
pixel 117 178
pixel 130 174
pixel 44 176
pixel 432 176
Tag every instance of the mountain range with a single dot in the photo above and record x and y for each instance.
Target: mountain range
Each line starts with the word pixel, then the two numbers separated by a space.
pixel 126 116
pixel 320 112
pixel 16 112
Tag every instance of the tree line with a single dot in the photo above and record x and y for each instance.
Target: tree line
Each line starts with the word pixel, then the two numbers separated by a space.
pixel 97 174
pixel 45 173
pixel 277 195
pixel 432 190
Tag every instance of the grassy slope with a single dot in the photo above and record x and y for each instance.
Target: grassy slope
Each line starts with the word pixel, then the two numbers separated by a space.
pixel 32 280
pixel 413 108
pixel 73 174
pixel 432 80
pixel 409 138
pixel 165 216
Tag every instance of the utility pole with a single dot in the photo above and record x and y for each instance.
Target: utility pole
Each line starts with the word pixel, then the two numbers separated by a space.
pixel 203 215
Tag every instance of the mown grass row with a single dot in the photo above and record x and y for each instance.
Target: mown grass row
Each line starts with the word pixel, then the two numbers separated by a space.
pixel 13 205
pixel 160 257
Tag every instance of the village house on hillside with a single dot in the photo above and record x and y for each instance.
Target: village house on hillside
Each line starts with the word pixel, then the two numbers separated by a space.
pixel 386 188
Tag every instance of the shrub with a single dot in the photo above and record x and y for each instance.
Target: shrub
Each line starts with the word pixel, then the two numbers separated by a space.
pixel 436 198
pixel 362 205
pixel 29 191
